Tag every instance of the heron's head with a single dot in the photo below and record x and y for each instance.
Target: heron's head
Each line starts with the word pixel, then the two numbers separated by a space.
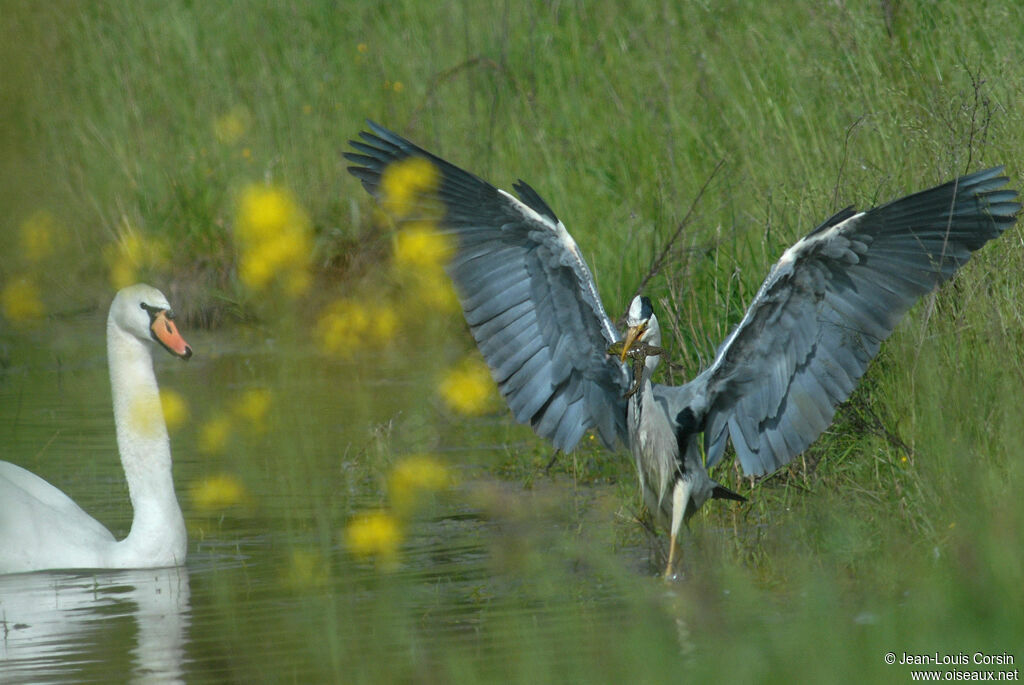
pixel 642 323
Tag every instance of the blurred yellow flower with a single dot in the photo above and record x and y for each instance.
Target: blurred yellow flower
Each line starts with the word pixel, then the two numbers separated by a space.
pixel 21 301
pixel 362 47
pixel 232 125
pixel 376 534
pixel 122 273
pixel 385 322
pixel 214 435
pixel 305 570
pixel 420 253
pixel 144 413
pixel 174 407
pixel 347 324
pixel 413 476
pixel 468 388
pixel 420 245
pixel 38 233
pixel 252 406
pixel 133 253
pixel 263 211
pixel 409 189
pixel 342 326
pixel 218 492
pixel 433 290
pixel 275 238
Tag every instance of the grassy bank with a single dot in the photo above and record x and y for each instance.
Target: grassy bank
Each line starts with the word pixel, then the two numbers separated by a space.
pixel 132 134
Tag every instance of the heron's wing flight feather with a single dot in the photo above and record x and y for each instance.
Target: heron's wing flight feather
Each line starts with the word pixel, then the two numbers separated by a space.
pixel 528 296
pixel 830 301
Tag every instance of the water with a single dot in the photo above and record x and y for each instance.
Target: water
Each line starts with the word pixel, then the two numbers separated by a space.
pixel 489 576
pixel 62 626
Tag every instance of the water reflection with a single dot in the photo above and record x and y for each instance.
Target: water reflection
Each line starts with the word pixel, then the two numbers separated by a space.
pixel 72 626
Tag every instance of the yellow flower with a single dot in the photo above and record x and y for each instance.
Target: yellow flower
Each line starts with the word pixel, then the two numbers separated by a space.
pixel 218 492
pixel 413 476
pixel 434 290
pixel 132 253
pixel 468 388
pixel 174 408
pixel 397 86
pixel 375 534
pixel 385 322
pixel 38 235
pixel 420 253
pixel 409 189
pixel 214 435
pixel 252 406
pixel 275 238
pixel 421 246
pixel 263 212
pixel 342 327
pixel 232 125
pixel 347 324
pixel 21 301
pixel 362 48
pixel 144 414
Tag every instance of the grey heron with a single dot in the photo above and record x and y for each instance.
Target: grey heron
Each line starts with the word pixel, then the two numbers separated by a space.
pixel 805 340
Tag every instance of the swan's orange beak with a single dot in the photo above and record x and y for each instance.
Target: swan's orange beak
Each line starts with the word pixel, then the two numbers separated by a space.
pixel 632 335
pixel 166 333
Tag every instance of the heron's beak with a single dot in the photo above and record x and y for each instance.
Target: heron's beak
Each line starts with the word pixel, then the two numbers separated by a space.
pixel 632 335
pixel 166 333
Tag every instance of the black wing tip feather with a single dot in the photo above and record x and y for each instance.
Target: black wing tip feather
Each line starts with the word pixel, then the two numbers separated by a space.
pixel 377 148
pixel 978 184
pixel 533 200
pixel 1001 202
pixel 839 217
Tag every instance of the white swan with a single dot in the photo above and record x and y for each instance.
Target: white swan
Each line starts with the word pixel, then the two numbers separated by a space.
pixel 42 528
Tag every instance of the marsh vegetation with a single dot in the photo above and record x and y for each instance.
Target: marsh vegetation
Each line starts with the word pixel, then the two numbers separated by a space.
pixel 360 506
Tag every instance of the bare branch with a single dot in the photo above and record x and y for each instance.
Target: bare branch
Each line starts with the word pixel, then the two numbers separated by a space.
pixel 659 261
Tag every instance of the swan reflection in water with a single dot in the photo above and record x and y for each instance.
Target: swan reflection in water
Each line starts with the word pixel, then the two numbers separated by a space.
pixel 61 626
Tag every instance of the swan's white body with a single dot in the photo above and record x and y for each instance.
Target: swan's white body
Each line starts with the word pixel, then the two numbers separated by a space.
pixel 42 528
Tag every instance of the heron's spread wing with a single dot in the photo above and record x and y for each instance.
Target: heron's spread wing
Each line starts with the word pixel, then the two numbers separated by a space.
pixel 827 305
pixel 527 294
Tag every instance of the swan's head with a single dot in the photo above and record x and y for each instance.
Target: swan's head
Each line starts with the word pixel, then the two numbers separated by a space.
pixel 144 312
pixel 642 323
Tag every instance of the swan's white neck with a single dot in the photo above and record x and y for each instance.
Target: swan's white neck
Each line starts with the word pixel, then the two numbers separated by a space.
pixel 158 529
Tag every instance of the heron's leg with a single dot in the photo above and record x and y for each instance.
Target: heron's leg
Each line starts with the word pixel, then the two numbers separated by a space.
pixel 680 498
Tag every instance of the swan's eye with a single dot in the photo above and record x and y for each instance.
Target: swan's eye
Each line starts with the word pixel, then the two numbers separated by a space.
pixel 152 311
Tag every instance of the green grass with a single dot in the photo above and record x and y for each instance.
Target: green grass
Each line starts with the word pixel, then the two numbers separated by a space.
pixel 900 529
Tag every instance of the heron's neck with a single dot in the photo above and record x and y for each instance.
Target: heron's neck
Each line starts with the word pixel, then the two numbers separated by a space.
pixel 644 396
pixel 158 528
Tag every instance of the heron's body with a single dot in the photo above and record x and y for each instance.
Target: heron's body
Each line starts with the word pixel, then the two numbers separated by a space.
pixel 804 342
